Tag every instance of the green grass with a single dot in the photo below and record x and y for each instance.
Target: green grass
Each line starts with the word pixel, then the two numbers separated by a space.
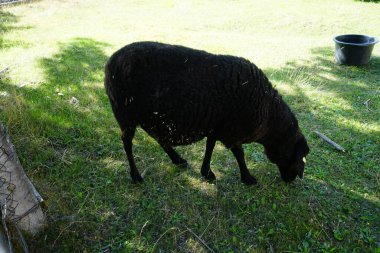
pixel 56 50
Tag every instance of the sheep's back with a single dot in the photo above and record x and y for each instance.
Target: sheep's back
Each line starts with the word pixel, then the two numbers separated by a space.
pixel 179 95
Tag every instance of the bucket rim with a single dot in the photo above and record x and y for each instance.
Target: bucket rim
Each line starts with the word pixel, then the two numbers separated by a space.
pixel 375 40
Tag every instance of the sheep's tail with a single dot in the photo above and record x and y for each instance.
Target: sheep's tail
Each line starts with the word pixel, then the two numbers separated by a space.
pixel 116 93
pixel 108 82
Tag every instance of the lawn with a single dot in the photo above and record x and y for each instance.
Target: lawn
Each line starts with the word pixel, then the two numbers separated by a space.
pixel 54 105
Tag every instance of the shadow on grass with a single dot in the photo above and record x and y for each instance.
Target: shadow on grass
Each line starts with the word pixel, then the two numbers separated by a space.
pixel 73 153
pixel 77 63
pixel 344 96
pixel 369 1
pixel 6 21
pixel 60 126
pixel 342 102
pixel 7 24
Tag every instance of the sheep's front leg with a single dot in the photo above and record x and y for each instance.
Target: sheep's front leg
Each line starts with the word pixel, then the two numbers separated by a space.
pixel 127 136
pixel 246 178
pixel 174 156
pixel 205 170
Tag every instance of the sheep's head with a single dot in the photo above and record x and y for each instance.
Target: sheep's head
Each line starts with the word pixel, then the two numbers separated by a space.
pixel 290 159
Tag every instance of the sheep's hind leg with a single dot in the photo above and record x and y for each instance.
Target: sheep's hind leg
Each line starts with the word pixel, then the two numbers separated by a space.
pixel 205 170
pixel 174 156
pixel 246 178
pixel 127 136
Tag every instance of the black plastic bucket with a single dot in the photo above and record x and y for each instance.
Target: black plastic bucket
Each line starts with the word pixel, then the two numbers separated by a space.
pixel 354 49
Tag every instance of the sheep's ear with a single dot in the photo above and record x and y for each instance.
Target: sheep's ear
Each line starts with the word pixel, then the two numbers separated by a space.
pixel 302 149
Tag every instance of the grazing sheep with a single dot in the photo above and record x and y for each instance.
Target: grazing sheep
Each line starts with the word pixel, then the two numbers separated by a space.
pixel 179 95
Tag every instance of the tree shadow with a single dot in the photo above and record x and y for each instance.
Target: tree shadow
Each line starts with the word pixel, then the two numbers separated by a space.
pixel 76 71
pixel 344 95
pixel 76 63
pixel 6 21
pixel 341 101
pixel 68 117
pixel 7 24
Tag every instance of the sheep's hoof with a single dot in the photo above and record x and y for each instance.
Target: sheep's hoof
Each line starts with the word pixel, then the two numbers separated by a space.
pixel 137 179
pixel 249 180
pixel 209 175
pixel 182 163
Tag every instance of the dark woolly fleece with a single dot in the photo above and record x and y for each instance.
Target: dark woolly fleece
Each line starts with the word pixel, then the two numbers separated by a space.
pixel 179 95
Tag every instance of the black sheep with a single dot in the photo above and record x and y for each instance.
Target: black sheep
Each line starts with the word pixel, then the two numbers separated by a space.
pixel 179 95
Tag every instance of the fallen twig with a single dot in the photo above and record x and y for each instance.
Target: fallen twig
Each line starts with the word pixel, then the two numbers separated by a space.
pixel 145 224
pixel 144 172
pixel 330 142
pixel 199 239
pixel 366 103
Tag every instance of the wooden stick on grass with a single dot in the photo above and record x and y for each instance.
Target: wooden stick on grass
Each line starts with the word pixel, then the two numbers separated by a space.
pixel 144 172
pixel 330 142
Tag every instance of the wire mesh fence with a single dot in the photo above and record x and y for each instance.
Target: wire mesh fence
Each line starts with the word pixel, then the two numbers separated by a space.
pixel 8 204
pixel 8 1
pixel 19 200
pixel 5 2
